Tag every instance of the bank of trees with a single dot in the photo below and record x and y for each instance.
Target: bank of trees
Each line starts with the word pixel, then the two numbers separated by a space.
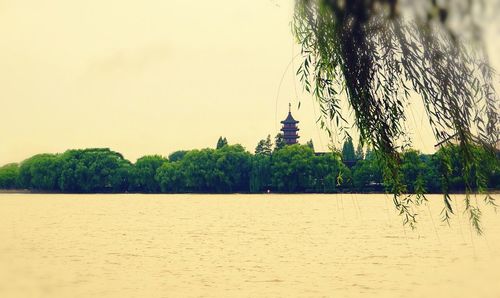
pixel 230 168
pixel 78 171
pixel 222 170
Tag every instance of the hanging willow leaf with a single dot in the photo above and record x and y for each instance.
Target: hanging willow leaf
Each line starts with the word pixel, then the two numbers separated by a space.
pixel 364 55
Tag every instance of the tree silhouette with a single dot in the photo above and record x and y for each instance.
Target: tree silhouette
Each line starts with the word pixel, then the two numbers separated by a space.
pixel 359 152
pixel 264 147
pixel 221 142
pixel 279 142
pixel 348 153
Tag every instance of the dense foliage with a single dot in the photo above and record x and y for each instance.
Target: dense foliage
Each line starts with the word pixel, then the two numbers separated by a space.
pixel 91 170
pixel 294 168
pixel 142 176
pixel 226 169
pixel 9 175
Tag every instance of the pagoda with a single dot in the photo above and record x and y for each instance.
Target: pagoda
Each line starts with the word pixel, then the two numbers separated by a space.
pixel 290 129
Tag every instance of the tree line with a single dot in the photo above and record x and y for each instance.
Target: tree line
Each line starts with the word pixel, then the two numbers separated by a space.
pixel 230 168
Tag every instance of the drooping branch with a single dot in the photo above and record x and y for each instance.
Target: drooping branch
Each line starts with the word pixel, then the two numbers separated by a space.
pixel 365 53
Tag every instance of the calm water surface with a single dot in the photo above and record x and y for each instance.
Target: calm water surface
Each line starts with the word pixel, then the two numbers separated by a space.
pixel 240 246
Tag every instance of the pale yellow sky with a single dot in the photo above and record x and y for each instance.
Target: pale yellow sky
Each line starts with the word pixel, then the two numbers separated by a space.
pixel 151 76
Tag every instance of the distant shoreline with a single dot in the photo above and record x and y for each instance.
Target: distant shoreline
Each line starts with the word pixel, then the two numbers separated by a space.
pixel 25 191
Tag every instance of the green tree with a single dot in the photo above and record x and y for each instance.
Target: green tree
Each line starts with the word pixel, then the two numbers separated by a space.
pixel 348 153
pixel 292 168
pixel 41 172
pixel 9 175
pixel 279 142
pixel 369 153
pixel 264 147
pixel 223 170
pixel 329 174
pixel 367 175
pixel 221 142
pixel 232 169
pixel 94 170
pixel 454 169
pixel 431 175
pixel 260 174
pixel 199 170
pixel 142 176
pixel 177 155
pixel 310 144
pixel 171 177
pixel 359 152
pixel 415 171
pixel 491 169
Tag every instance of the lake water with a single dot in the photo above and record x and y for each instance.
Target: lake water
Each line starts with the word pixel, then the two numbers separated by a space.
pixel 240 246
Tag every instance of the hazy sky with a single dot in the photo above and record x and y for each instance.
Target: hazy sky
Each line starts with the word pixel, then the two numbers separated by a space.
pixel 151 76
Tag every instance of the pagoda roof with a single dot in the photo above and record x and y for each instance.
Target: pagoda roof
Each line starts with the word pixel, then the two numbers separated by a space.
pixel 289 119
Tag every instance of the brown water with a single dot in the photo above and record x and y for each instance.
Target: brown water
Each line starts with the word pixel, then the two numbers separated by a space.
pixel 239 246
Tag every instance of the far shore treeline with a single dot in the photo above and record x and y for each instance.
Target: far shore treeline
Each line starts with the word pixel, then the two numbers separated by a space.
pixel 230 168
